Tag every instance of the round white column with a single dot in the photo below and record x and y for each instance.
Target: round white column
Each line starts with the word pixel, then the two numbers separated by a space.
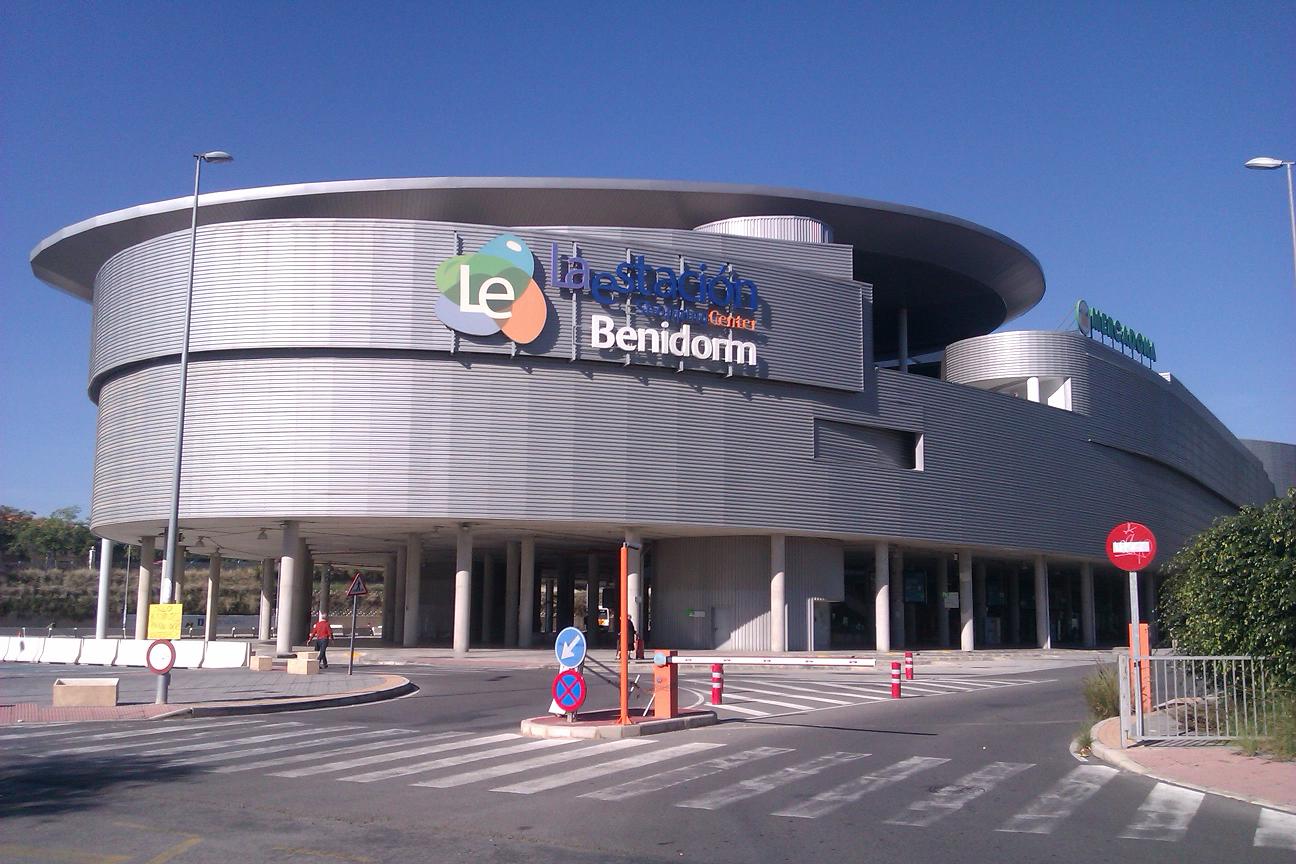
pixel 463 590
pixel 142 598
pixel 512 554
pixel 778 601
pixel 882 596
pixel 1042 633
pixel 105 576
pixel 266 609
pixel 413 567
pixel 967 639
pixel 289 565
pixel 213 596
pixel 526 592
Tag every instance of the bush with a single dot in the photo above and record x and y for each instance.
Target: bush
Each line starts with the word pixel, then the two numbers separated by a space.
pixel 1101 690
pixel 1232 589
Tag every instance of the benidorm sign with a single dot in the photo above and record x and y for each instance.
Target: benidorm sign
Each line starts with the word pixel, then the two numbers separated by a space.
pixel 1091 321
pixel 495 290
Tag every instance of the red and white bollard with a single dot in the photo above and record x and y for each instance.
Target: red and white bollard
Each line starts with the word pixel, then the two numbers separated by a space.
pixel 895 679
pixel 908 665
pixel 717 683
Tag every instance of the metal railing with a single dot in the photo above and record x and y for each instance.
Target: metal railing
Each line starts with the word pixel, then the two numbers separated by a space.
pixel 1173 698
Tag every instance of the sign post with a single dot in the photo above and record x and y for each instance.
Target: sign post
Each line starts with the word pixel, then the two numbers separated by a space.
pixel 355 592
pixel 164 624
pixel 1131 546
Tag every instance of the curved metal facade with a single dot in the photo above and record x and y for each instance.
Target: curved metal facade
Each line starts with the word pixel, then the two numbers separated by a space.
pixel 324 388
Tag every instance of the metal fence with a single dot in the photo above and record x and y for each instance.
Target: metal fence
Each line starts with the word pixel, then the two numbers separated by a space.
pixel 1171 698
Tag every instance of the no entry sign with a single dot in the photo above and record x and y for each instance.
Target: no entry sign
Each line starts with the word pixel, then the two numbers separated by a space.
pixel 569 689
pixel 160 656
pixel 1131 546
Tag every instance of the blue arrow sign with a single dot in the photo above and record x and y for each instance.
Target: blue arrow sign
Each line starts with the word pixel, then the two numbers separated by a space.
pixel 570 647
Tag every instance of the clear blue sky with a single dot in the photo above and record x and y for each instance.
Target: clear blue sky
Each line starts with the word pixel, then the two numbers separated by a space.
pixel 1108 139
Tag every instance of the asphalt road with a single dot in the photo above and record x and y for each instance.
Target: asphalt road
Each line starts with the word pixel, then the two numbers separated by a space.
pixel 980 774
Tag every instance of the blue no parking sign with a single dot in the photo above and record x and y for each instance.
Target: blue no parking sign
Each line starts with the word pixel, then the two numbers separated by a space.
pixel 569 648
pixel 569 690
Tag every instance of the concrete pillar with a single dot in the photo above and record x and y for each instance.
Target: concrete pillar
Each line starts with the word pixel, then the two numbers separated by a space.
pixel 463 590
pixel 178 574
pixel 105 577
pixel 634 580
pixel 388 598
pixel 967 638
pixel 512 552
pixel 897 598
pixel 526 594
pixel 591 594
pixel 398 598
pixel 302 623
pixel 266 609
pixel 213 596
pixel 902 337
pixel 1032 389
pixel 413 568
pixel 1088 626
pixel 147 553
pixel 289 565
pixel 488 598
pixel 1042 633
pixel 1014 606
pixel 882 597
pixel 778 599
pixel 566 595
pixel 325 583
pixel 979 602
pixel 942 617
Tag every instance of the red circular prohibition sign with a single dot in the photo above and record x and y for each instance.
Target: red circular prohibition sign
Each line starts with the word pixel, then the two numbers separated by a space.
pixel 569 689
pixel 1131 546
pixel 171 656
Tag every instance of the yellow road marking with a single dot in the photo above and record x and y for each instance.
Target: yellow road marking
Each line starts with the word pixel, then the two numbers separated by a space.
pixel 340 856
pixel 167 854
pixel 45 853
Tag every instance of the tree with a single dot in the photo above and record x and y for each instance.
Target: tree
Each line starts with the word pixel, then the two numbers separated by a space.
pixel 61 534
pixel 1232 589
pixel 11 522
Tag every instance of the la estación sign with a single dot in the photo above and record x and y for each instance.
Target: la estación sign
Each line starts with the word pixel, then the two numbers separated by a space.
pixel 494 290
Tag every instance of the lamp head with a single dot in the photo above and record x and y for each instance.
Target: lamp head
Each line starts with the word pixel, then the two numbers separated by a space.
pixel 1264 163
pixel 215 156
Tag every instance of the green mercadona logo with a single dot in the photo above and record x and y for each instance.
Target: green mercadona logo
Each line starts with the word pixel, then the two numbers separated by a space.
pixel 1091 321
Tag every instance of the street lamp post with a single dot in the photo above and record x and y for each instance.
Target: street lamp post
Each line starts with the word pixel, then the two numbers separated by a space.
pixel 1268 163
pixel 168 564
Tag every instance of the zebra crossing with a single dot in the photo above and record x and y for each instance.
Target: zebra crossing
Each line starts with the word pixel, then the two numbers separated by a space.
pixel 757 696
pixel 696 775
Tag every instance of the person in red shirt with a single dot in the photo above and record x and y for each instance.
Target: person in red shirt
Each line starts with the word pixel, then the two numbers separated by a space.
pixel 322 633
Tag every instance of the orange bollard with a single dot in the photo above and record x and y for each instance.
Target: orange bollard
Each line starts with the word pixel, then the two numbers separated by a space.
pixel 908 665
pixel 895 679
pixel 717 684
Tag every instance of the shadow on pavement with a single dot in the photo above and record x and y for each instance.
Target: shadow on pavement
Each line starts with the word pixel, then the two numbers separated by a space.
pixel 56 785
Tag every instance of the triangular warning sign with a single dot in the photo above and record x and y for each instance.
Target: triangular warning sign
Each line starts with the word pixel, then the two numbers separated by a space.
pixel 357 588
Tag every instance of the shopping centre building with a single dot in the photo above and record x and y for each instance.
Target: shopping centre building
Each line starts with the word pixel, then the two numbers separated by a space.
pixel 798 409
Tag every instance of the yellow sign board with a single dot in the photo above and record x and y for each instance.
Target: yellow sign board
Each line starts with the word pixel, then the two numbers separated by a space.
pixel 164 620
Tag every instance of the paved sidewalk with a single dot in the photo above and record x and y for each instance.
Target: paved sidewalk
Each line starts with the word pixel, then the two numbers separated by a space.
pixel 26 692
pixel 1220 769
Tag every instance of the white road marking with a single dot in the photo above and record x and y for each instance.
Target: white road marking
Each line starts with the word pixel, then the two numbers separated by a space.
pixel 1276 829
pixel 504 770
pixel 367 747
pixel 458 759
pixel 954 797
pixel 684 774
pixel 1164 814
pixel 230 742
pixel 743 688
pixel 395 754
pixel 847 793
pixel 737 697
pixel 243 753
pixel 1059 802
pixel 187 736
pixel 750 712
pixel 155 730
pixel 754 786
pixel 592 772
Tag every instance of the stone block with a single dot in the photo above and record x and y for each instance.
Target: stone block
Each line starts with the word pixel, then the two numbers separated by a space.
pixel 303 666
pixel 261 663
pixel 85 692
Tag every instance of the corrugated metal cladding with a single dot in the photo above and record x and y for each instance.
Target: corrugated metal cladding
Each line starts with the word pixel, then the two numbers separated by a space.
pixel 799 229
pixel 1129 406
pixel 370 284
pixel 431 436
pixel 1279 460
pixel 714 592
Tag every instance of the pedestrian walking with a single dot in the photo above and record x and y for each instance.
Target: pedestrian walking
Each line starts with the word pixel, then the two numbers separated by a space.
pixel 322 633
